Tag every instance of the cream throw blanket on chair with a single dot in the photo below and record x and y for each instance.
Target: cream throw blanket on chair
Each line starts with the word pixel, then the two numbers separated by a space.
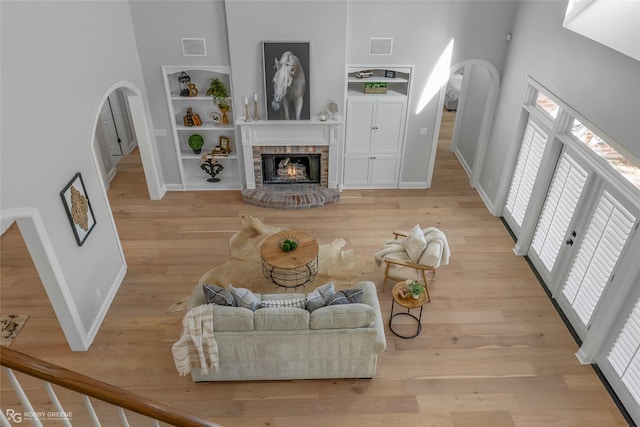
pixel 431 234
pixel 197 347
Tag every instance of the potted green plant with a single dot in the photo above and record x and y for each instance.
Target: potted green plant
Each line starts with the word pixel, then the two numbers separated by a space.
pixel 416 288
pixel 196 142
pixel 218 90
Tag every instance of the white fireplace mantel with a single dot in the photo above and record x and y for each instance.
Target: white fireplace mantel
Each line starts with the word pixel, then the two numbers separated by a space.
pixel 277 133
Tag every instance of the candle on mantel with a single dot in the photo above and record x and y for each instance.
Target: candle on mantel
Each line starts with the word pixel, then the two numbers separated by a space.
pixel 255 97
pixel 246 101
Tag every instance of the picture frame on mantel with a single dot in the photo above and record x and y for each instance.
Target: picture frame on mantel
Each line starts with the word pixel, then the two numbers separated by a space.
pixel 286 71
pixel 78 208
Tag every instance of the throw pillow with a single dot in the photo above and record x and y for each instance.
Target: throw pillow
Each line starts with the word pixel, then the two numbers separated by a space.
pixel 319 297
pixel 277 303
pixel 217 295
pixel 348 296
pixel 245 298
pixel 415 243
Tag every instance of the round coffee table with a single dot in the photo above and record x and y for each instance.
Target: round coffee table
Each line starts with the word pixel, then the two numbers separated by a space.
pixel 290 269
pixel 408 303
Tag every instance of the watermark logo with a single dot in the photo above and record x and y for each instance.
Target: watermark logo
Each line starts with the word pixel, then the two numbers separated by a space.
pixel 18 416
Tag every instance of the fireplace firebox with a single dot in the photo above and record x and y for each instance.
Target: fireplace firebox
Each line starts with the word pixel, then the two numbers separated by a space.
pixel 290 168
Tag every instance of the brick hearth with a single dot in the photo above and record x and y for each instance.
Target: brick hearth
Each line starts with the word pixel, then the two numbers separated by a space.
pixel 291 196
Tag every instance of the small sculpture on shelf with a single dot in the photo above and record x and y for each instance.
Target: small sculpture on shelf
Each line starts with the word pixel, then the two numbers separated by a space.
pixel 191 119
pixel 183 84
pixel 211 166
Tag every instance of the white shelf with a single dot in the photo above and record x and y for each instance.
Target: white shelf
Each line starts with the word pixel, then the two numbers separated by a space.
pixel 377 79
pixel 390 94
pixel 192 175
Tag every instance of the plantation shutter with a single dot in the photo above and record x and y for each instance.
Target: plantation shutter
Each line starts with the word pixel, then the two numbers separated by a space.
pixel 524 176
pixel 562 198
pixel 624 356
pixel 597 256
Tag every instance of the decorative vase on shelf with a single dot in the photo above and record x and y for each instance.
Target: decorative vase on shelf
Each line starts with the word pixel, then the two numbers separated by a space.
pixel 224 109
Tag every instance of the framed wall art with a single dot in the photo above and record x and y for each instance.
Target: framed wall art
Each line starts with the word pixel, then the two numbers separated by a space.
pixel 286 80
pixel 78 208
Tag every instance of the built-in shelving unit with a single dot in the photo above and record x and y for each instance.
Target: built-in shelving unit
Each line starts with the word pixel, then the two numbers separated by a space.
pixel 375 127
pixel 397 86
pixel 193 177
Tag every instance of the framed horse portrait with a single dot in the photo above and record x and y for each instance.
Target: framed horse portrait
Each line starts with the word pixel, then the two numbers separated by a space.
pixel 286 80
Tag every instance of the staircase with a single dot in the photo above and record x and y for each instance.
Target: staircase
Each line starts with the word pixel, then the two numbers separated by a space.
pixel 89 401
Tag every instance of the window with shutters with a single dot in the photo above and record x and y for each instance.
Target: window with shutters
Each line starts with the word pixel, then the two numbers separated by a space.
pixel 565 190
pixel 598 255
pixel 624 356
pixel 534 142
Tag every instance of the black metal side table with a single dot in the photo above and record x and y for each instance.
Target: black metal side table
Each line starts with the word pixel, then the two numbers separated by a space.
pixel 409 303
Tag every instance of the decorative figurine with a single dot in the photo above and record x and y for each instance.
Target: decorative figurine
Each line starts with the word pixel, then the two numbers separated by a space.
pixel 183 84
pixel 211 166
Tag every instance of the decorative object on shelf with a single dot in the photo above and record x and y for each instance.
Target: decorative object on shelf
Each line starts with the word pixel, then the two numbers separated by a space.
pixel 211 166
pixel 256 115
pixel 363 74
pixel 191 119
pixel 390 74
pixel 323 115
pixel 224 144
pixel 196 142
pixel 286 82
pixel 193 89
pixel 288 244
pixel 333 109
pixel 216 118
pixel 246 110
pixel 220 97
pixel 183 84
pixel 375 87
pixel 416 288
pixel 78 207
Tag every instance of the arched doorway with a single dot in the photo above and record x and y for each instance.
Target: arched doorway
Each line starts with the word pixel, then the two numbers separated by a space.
pixel 476 107
pixel 140 120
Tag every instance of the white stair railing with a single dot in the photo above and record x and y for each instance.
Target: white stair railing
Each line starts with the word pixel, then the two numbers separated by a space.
pixel 88 388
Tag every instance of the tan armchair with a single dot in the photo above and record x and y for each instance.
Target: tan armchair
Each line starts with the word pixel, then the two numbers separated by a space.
pixel 410 255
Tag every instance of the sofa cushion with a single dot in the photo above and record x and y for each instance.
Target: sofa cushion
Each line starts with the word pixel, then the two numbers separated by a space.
pixel 245 298
pixel 232 319
pixel 343 316
pixel 347 296
pixel 415 243
pixel 281 319
pixel 275 303
pixel 218 295
pixel 319 297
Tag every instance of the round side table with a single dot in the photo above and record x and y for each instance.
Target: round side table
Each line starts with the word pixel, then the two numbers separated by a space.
pixel 290 269
pixel 409 303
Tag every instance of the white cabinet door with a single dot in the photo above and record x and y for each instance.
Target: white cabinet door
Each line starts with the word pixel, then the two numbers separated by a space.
pixel 384 171
pixel 374 138
pixel 360 123
pixel 388 133
pixel 356 170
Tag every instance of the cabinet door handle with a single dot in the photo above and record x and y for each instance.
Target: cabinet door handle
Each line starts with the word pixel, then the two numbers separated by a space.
pixel 569 242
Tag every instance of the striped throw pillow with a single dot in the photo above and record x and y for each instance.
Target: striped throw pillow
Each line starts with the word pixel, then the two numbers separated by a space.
pixel 277 303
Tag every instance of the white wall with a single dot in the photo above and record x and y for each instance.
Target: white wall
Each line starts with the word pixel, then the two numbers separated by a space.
pixel 421 31
pixel 159 27
pixel 58 61
pixel 596 81
pixel 321 23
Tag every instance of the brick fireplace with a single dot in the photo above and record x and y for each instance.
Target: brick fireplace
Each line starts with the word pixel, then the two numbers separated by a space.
pixel 309 148
pixel 291 137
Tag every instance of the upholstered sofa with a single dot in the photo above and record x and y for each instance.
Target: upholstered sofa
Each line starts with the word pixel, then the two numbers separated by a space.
pixel 335 341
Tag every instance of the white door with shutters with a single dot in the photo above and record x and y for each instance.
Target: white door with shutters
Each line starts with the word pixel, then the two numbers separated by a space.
pixel 534 142
pixel 610 225
pixel 555 231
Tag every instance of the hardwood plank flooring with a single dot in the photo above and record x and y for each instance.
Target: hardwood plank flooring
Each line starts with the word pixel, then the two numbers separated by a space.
pixel 493 351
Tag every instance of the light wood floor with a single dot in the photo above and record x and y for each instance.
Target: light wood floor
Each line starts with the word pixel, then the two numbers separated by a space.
pixel 493 351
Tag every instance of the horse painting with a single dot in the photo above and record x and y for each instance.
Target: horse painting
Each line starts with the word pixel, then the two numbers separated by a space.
pixel 289 85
